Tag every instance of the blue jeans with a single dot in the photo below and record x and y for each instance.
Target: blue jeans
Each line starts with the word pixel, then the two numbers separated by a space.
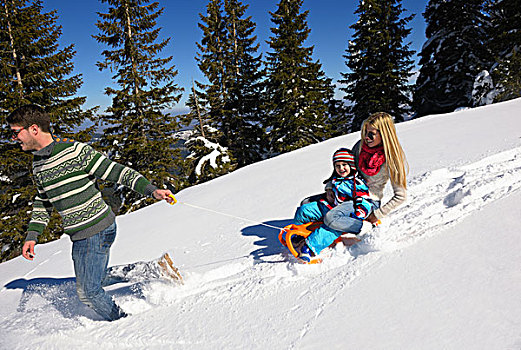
pixel 336 221
pixel 312 211
pixel 91 256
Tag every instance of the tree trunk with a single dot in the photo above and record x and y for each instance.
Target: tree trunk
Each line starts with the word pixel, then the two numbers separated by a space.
pixel 198 111
pixel 134 74
pixel 13 49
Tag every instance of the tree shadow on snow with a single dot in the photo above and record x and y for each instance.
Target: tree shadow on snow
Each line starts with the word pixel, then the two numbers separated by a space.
pixel 60 294
pixel 268 243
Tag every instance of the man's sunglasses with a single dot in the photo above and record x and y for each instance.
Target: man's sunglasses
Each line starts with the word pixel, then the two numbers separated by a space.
pixel 14 133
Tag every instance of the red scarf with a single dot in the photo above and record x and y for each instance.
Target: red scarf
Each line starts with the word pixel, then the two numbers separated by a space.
pixel 371 159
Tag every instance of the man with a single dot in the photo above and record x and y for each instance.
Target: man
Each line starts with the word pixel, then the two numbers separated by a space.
pixel 65 172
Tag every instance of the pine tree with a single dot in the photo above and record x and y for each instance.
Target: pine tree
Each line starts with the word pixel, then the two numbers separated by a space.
pixel 208 158
pixel 508 77
pixel 340 120
pixel 297 90
pixel 505 43
pixel 211 58
pixel 243 106
pixel 139 132
pixel 34 70
pixel 230 100
pixel 454 54
pixel 379 61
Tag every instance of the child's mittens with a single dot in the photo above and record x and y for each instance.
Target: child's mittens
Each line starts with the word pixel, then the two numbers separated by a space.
pixel 359 214
pixel 361 211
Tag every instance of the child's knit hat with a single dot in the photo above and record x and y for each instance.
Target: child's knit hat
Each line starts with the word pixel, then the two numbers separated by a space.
pixel 344 155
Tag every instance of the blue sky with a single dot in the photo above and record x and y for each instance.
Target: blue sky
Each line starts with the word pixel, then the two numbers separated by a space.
pixel 329 21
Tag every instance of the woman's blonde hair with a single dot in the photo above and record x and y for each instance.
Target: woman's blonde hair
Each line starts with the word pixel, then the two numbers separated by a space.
pixel 394 154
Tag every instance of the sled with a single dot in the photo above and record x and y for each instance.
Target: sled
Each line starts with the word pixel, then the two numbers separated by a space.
pixel 304 230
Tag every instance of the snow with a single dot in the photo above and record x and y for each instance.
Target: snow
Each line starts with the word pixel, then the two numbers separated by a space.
pixel 183 135
pixel 441 272
pixel 15 197
pixel 483 91
pixel 211 158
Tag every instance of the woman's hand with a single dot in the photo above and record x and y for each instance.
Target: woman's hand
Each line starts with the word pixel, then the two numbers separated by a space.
pixel 330 196
pixel 372 218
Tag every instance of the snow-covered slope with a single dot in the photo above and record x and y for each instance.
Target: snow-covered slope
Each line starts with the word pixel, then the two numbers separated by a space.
pixel 442 272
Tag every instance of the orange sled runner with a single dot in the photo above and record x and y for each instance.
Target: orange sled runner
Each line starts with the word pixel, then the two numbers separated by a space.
pixel 304 231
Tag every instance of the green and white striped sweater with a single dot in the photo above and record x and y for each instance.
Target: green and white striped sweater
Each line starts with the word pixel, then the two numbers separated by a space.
pixel 65 173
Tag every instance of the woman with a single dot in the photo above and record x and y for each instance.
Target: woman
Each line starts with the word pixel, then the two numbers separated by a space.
pixel 379 157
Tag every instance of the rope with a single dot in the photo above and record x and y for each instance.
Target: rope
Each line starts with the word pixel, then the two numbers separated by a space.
pixel 231 216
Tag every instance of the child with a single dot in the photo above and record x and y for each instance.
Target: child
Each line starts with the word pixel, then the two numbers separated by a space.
pixel 343 186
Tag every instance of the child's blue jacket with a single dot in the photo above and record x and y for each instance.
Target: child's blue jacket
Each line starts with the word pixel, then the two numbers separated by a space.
pixel 354 189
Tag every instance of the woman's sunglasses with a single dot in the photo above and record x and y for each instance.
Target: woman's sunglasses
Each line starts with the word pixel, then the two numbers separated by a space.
pixel 372 134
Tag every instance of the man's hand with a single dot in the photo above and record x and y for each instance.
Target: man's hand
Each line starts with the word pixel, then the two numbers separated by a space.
pixel 163 194
pixel 28 250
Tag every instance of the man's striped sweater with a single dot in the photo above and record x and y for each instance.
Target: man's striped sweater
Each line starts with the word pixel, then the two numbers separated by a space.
pixel 65 173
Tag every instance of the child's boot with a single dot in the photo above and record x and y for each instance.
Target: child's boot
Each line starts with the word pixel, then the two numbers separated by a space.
pixel 305 254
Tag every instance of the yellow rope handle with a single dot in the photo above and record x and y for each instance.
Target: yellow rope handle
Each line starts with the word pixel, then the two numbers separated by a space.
pixel 175 200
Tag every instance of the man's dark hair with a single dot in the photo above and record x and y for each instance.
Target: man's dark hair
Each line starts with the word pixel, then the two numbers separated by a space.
pixel 28 115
